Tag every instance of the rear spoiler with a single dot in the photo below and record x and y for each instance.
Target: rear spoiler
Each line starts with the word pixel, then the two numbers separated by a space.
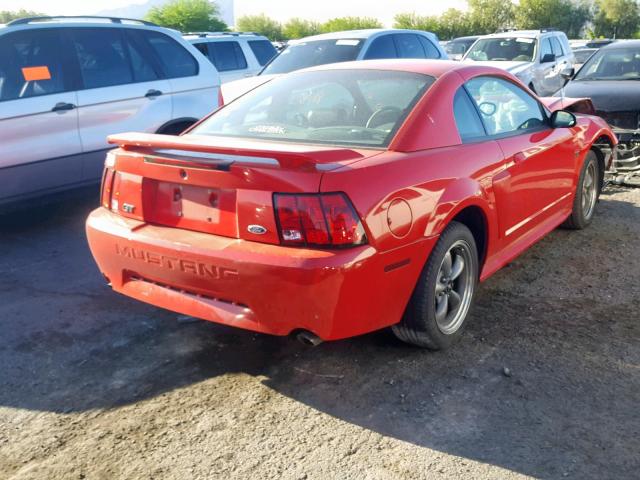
pixel 286 155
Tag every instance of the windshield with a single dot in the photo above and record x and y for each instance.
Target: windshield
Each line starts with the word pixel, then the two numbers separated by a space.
pixel 348 107
pixel 583 55
pixel 457 47
pixel 511 49
pixel 612 64
pixel 317 52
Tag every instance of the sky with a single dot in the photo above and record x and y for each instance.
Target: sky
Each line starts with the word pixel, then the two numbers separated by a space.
pixel 281 10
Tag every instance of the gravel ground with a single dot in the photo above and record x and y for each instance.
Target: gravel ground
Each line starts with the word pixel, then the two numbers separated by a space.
pixel 545 383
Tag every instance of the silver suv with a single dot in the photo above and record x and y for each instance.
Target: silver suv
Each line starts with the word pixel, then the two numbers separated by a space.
pixel 536 57
pixel 235 54
pixel 68 82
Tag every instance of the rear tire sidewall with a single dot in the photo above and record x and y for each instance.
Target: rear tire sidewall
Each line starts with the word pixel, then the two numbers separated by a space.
pixel 420 313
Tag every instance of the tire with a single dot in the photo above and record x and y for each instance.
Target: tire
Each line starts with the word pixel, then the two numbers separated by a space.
pixel 587 194
pixel 422 323
pixel 175 128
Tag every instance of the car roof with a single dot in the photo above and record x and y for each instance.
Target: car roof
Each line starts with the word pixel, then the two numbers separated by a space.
pixel 435 68
pixel 622 44
pixel 521 33
pixel 346 34
pixel 468 37
pixel 204 36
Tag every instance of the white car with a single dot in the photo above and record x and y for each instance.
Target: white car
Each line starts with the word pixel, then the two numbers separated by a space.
pixel 66 83
pixel 537 57
pixel 341 47
pixel 234 54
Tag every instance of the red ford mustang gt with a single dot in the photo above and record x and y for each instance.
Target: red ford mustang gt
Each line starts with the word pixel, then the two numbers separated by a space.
pixel 347 198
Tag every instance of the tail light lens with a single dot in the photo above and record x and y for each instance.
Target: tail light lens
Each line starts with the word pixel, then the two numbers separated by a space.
pixel 107 187
pixel 318 220
pixel 220 97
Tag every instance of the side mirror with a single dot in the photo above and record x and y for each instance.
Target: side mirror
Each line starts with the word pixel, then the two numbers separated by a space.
pixel 563 119
pixel 548 58
pixel 567 73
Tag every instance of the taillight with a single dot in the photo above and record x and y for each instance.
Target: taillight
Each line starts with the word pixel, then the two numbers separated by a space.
pixel 220 97
pixel 318 220
pixel 107 187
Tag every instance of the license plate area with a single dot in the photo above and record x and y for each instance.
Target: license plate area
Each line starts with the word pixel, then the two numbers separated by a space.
pixel 192 207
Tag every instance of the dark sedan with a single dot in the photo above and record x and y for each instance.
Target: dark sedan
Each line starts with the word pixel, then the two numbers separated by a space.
pixel 611 78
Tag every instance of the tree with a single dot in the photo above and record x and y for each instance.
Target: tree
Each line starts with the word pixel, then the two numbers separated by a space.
pixel 261 24
pixel 566 15
pixel 350 23
pixel 7 15
pixel 616 18
pixel 489 16
pixel 413 21
pixel 299 28
pixel 188 16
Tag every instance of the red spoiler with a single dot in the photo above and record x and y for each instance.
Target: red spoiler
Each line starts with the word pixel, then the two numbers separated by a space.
pixel 287 154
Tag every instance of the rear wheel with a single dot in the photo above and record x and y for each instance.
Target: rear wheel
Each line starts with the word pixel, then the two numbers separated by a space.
pixel 587 193
pixel 175 128
pixel 440 303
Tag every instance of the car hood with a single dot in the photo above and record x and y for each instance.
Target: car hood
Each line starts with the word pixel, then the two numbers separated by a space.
pixel 233 90
pixel 511 67
pixel 607 95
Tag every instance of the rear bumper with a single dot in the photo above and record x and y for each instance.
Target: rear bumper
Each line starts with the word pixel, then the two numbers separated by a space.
pixel 260 287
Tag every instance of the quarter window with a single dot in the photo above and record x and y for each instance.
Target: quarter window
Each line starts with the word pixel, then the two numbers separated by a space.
pixel 30 64
pixel 430 50
pixel 409 46
pixel 467 119
pixel 176 60
pixel 227 56
pixel 263 50
pixel 505 108
pixel 381 47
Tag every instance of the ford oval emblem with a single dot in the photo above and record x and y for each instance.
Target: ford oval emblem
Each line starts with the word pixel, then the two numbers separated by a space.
pixel 257 229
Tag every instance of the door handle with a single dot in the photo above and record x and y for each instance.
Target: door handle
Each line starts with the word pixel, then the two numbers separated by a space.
pixel 153 93
pixel 62 107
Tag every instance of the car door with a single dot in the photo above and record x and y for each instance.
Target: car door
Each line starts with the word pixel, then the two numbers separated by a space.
pixel 121 90
pixel 561 63
pixel 39 142
pixel 537 180
pixel 228 58
pixel 194 82
pixel 547 76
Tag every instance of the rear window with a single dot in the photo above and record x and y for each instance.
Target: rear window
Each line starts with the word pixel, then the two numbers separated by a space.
pixel 316 52
pixel 30 64
pixel 176 60
pixel 340 107
pixel 263 50
pixel 226 56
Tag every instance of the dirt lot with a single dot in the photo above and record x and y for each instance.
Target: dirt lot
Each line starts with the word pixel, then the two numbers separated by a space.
pixel 546 382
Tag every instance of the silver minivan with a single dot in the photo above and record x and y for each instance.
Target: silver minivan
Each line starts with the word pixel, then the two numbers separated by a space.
pixel 66 83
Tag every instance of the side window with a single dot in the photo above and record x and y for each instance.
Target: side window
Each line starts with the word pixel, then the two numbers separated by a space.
pixel 30 64
pixel 144 69
pixel 263 50
pixel 203 48
pixel 504 107
pixel 175 59
pixel 227 56
pixel 409 46
pixel 430 50
pixel 381 47
pixel 467 119
pixel 545 47
pixel 557 48
pixel 102 57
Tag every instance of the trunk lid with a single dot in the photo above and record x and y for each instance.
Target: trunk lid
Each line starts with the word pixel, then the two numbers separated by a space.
pixel 216 185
